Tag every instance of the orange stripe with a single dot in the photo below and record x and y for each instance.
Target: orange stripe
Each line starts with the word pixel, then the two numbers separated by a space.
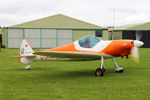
pixel 69 47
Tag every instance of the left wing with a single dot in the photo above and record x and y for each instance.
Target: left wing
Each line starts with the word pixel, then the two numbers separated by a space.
pixel 73 55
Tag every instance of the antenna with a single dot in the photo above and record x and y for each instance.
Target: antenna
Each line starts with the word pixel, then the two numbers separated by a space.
pixel 113 37
pixel 114 13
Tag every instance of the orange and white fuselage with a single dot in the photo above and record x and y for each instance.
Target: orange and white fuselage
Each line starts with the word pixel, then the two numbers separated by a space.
pixel 108 49
pixel 113 48
pixel 84 49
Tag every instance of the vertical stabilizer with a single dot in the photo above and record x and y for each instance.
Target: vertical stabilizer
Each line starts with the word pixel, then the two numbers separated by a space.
pixel 25 49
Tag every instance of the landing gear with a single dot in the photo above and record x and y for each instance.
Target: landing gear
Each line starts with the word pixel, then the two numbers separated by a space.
pixel 27 67
pixel 100 71
pixel 117 68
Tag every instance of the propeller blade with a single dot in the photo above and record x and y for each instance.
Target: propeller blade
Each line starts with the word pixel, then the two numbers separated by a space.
pixel 135 51
pixel 139 35
pixel 135 54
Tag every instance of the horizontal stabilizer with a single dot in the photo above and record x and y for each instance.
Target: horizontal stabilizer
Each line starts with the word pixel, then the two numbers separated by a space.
pixel 24 56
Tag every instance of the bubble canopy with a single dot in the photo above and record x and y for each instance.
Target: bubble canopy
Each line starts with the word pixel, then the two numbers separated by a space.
pixel 88 41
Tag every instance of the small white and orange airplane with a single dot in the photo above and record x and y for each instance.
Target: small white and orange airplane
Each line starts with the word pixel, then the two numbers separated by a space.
pixel 84 49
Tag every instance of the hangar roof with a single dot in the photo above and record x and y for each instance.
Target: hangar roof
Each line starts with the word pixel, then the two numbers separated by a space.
pixel 139 26
pixel 57 21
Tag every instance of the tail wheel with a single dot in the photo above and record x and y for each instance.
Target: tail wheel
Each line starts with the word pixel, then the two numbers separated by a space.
pixel 27 67
pixel 99 72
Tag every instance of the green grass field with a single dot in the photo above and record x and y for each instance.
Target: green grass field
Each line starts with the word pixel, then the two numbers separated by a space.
pixel 70 80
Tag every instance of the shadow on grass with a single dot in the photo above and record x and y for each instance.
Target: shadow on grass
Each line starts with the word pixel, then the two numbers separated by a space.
pixel 78 74
pixel 32 69
pixel 87 73
pixel 52 73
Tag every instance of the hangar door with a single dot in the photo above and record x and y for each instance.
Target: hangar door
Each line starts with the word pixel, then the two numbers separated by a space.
pixel 128 35
pixel 64 37
pixel 48 38
pixel 39 38
pixel 33 37
pixel 145 37
pixel 14 38
pixel 138 35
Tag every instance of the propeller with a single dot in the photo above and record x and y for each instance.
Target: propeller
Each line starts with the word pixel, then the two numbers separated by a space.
pixel 135 51
pixel 139 35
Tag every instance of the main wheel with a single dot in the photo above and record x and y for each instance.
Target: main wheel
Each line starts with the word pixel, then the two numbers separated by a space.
pixel 99 72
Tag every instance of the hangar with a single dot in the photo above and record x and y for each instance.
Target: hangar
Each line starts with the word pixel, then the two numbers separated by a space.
pixel 49 32
pixel 0 37
pixel 140 31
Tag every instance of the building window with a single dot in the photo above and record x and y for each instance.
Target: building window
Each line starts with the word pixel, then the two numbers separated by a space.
pixel 98 33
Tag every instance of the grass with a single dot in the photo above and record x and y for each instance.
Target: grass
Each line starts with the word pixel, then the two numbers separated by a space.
pixel 58 80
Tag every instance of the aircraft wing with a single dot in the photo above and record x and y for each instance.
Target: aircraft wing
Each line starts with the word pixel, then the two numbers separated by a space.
pixel 73 55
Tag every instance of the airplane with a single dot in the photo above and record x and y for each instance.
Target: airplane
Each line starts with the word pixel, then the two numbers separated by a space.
pixel 85 49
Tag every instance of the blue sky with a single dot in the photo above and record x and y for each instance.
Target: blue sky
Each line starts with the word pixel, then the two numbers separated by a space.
pixel 99 12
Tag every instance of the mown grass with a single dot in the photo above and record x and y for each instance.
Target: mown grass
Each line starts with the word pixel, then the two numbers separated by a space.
pixel 71 80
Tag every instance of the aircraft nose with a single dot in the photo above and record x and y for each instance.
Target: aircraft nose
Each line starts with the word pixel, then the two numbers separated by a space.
pixel 138 43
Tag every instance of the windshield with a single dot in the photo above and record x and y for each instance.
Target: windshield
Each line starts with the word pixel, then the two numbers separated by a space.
pixel 88 41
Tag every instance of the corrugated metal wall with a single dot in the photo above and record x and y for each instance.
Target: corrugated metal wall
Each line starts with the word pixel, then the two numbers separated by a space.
pixel 80 33
pixel 105 35
pixel 33 37
pixel 115 35
pixel 49 38
pixel 64 37
pixel 15 37
pixel 39 38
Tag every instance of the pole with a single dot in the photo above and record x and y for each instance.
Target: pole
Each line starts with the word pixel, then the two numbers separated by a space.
pixel 113 35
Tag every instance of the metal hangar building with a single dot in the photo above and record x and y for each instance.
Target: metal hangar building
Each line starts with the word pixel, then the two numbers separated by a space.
pixel 49 32
pixel 139 31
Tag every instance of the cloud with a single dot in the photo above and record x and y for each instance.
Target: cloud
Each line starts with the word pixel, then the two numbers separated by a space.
pixel 10 19
pixel 24 10
pixel 99 12
pixel 136 18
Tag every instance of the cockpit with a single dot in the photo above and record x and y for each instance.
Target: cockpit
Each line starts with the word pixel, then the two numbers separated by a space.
pixel 88 41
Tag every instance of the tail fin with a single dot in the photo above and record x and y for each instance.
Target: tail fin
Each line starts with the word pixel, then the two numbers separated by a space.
pixel 25 49
pixel 26 53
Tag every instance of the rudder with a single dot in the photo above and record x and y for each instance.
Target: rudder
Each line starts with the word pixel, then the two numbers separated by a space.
pixel 25 52
pixel 25 49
